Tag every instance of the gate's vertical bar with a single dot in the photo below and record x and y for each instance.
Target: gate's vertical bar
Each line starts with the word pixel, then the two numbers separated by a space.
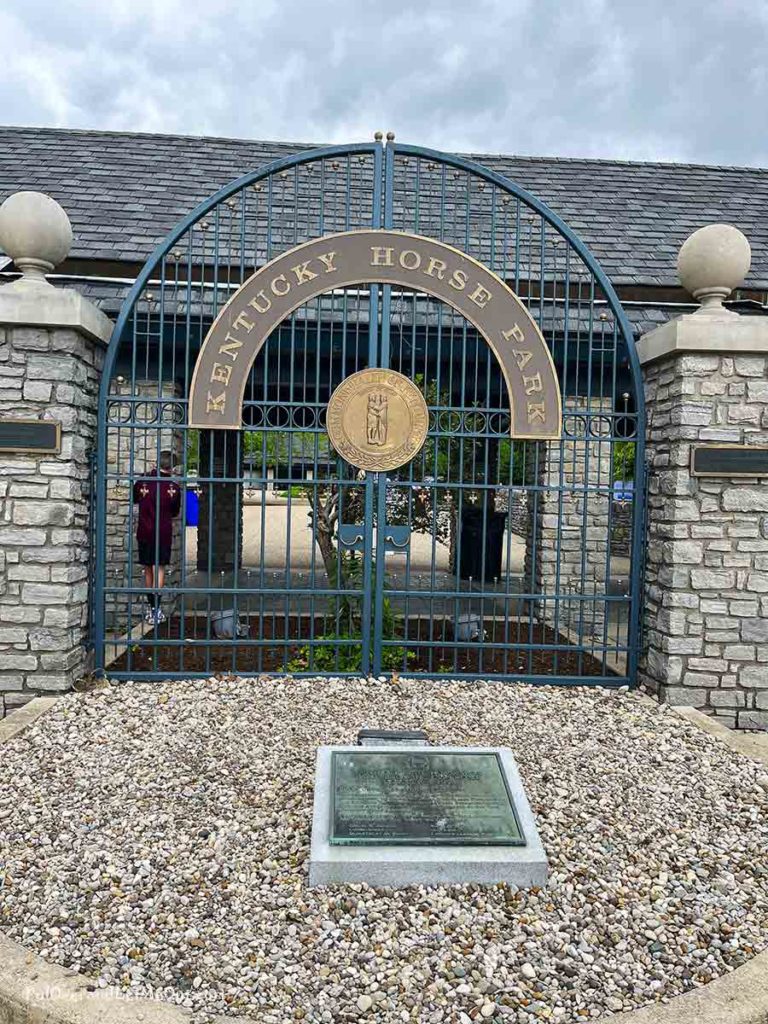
pixel 381 478
pixel 369 664
pixel 91 545
pixel 639 539
pixel 100 506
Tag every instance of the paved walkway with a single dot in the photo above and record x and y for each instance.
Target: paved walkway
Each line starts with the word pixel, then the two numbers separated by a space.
pixel 269 567
pixel 271 522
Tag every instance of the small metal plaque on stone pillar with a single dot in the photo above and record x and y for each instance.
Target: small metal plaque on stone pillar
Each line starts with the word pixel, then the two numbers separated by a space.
pixel 33 437
pixel 729 460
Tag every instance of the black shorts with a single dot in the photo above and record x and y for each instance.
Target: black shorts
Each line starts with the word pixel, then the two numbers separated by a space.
pixel 147 552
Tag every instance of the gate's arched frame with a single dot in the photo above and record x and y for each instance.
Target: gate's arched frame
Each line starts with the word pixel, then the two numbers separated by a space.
pixel 383 184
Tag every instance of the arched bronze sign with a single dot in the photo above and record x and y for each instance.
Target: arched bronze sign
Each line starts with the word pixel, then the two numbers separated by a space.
pixel 376 257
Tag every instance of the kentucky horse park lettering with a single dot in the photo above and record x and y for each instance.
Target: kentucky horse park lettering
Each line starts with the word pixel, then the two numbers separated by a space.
pixel 376 257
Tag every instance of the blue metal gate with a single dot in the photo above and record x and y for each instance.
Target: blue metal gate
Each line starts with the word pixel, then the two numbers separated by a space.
pixel 486 556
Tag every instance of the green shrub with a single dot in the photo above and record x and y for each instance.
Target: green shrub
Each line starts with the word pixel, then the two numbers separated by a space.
pixel 350 656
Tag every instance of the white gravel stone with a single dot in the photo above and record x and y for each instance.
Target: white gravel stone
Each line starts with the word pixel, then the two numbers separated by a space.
pixel 155 838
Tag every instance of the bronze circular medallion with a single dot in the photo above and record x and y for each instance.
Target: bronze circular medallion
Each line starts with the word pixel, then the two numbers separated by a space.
pixel 377 420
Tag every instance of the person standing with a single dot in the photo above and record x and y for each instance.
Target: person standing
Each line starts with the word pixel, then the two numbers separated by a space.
pixel 159 502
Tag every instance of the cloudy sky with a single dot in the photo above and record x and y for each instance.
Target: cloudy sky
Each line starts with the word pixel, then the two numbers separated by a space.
pixel 633 79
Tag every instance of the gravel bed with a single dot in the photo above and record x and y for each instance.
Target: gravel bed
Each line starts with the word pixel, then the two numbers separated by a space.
pixel 156 836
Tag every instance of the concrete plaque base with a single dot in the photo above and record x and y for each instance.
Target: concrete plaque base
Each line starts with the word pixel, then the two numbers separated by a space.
pixel 401 865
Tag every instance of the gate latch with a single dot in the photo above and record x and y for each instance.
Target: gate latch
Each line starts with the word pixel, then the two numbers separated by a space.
pixel 396 538
pixel 352 537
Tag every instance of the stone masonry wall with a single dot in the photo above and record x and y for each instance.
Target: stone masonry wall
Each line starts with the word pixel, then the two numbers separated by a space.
pixel 517 505
pixel 707 570
pixel 44 502
pixel 568 534
pixel 621 529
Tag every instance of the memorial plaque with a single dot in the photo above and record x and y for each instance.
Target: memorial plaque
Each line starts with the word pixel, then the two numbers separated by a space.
pixel 729 460
pixel 426 797
pixel 30 436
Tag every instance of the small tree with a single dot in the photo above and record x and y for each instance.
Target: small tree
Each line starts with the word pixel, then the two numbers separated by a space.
pixel 624 460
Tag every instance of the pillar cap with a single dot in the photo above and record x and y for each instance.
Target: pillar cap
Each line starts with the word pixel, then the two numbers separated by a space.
pixel 38 304
pixel 35 232
pixel 712 262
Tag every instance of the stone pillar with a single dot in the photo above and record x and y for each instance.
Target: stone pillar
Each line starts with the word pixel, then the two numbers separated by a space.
pixel 568 533
pixel 706 601
pixel 220 522
pixel 51 351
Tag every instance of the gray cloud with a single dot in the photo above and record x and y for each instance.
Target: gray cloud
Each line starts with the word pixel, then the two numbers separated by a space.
pixel 663 80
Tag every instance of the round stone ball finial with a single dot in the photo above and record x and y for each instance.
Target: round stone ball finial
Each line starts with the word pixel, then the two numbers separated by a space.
pixel 35 232
pixel 712 262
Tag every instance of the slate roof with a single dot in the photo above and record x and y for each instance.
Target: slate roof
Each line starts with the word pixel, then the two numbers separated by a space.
pixel 124 191
pixel 109 297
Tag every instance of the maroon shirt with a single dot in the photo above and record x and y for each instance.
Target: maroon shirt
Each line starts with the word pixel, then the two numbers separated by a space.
pixel 167 503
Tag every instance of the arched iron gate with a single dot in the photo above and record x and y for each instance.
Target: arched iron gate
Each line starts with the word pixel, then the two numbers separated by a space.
pixel 485 556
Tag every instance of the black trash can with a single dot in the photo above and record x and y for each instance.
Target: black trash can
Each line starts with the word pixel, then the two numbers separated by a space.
pixel 471 555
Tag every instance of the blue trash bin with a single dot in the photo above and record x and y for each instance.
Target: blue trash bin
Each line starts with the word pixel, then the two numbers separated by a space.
pixel 193 506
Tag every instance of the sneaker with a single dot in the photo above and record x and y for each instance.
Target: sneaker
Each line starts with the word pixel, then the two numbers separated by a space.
pixel 159 616
pixel 149 615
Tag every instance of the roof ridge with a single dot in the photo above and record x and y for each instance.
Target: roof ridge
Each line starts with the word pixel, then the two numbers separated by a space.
pixel 683 165
pixel 296 147
pixel 154 135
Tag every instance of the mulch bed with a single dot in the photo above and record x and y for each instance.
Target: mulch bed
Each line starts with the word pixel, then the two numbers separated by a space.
pixel 202 653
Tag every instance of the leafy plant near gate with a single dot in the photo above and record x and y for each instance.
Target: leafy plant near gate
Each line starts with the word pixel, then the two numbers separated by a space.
pixel 624 460
pixel 349 656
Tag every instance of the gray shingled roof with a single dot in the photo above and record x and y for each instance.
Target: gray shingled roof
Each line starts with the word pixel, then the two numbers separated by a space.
pixel 109 297
pixel 124 191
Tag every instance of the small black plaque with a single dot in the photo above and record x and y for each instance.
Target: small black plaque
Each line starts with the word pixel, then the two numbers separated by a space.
pixel 33 436
pixel 425 797
pixel 382 736
pixel 729 460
